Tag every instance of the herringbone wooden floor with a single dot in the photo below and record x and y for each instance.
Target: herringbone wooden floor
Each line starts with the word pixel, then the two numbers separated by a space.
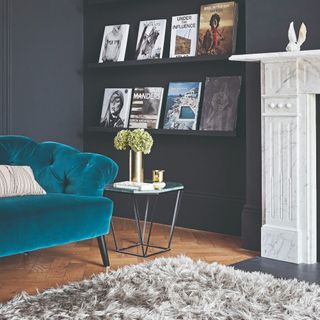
pixel 59 265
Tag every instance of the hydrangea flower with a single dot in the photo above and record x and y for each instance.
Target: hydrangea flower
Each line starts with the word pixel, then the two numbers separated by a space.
pixel 137 140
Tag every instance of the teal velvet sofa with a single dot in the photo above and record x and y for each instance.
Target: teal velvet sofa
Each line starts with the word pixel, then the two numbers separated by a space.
pixel 73 209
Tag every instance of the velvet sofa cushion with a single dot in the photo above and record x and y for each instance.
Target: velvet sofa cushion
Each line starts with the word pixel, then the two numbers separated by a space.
pixel 59 168
pixel 33 222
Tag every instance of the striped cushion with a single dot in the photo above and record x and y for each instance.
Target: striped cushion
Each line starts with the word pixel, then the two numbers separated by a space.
pixel 18 181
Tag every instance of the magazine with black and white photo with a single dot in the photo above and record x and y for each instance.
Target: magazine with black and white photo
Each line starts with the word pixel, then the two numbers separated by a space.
pixel 114 43
pixel 184 33
pixel 220 103
pixel 150 40
pixel 182 105
pixel 146 108
pixel 116 108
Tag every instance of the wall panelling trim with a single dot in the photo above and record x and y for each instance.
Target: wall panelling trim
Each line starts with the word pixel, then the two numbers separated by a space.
pixel 214 196
pixel 199 210
pixel 6 66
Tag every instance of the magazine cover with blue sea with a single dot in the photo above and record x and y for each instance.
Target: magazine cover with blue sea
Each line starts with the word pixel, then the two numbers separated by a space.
pixel 182 106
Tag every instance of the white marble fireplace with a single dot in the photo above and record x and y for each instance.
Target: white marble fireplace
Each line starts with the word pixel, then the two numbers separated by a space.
pixel 289 84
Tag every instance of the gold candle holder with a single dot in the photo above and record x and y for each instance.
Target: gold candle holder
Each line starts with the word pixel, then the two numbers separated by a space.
pixel 158 176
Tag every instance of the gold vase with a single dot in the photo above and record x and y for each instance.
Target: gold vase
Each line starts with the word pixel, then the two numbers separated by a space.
pixel 136 166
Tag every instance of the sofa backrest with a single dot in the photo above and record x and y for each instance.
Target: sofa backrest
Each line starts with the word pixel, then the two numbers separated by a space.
pixel 59 168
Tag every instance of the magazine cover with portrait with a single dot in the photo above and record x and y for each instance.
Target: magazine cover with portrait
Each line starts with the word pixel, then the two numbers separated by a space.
pixel 116 108
pixel 114 43
pixel 218 28
pixel 150 40
pixel 182 105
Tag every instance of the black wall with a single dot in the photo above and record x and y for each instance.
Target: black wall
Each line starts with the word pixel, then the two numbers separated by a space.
pixel 211 168
pixel 41 85
pixel 41 95
pixel 267 25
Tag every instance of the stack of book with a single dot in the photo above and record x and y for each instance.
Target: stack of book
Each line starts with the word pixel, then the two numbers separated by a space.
pixel 141 186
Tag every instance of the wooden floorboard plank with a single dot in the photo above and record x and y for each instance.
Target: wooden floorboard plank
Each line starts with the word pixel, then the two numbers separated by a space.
pixel 55 266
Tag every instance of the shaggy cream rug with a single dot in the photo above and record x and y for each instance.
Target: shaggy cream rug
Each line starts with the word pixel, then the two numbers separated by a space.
pixel 172 288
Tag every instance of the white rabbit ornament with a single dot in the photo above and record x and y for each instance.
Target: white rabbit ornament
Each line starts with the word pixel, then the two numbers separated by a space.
pixel 294 44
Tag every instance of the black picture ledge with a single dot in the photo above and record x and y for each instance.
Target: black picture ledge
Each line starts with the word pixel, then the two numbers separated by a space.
pixel 97 2
pixel 169 132
pixel 163 61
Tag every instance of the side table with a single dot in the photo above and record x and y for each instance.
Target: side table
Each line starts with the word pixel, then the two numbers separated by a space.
pixel 134 194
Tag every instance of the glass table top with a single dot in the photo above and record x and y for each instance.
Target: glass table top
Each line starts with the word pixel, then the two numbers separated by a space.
pixel 170 186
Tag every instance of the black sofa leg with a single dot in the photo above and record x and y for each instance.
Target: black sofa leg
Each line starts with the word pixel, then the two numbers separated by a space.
pixel 103 251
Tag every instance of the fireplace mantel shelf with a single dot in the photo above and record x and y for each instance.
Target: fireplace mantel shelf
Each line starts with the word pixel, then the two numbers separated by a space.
pixel 258 57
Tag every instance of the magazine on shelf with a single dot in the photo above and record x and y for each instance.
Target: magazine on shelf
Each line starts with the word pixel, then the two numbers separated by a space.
pixel 146 107
pixel 220 103
pixel 184 32
pixel 150 40
pixel 218 28
pixel 114 43
pixel 182 105
pixel 116 107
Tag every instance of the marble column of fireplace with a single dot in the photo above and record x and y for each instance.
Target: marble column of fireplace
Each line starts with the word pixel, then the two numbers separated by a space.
pixel 289 84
